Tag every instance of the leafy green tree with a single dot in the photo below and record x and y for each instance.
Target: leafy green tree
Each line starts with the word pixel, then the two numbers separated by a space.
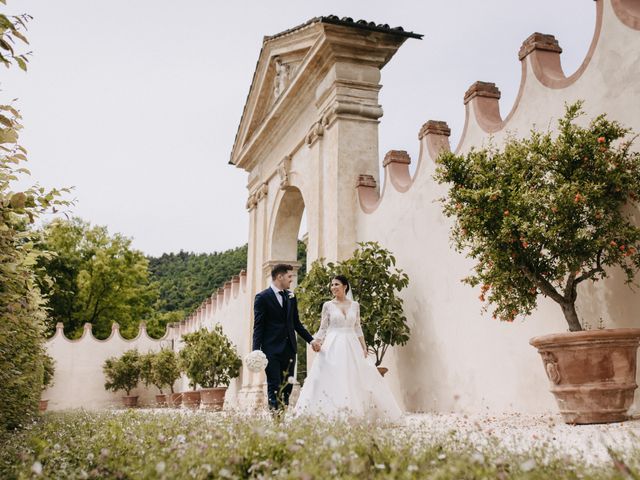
pixel 165 369
pixel 21 304
pixel 546 213
pixel 122 373
pixel 375 282
pixel 157 323
pixel 99 278
pixel 209 358
pixel 184 279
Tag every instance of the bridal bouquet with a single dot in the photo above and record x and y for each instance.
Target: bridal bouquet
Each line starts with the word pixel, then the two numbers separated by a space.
pixel 256 361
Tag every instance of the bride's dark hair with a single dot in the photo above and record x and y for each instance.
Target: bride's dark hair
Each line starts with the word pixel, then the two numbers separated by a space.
pixel 343 280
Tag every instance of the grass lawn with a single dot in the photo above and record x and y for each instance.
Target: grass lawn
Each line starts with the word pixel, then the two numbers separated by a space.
pixel 155 444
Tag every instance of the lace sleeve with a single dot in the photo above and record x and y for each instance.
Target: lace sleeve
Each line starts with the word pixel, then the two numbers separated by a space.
pixel 324 323
pixel 357 326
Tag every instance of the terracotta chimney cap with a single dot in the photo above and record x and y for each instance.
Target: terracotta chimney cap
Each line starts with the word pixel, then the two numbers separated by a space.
pixel 539 41
pixel 482 89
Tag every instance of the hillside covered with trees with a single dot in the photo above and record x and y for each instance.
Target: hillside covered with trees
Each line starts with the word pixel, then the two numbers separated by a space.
pixel 185 279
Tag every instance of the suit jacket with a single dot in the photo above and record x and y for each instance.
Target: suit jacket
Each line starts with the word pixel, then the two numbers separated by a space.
pixel 272 328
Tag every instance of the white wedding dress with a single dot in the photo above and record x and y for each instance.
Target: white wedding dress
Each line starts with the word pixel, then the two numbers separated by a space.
pixel 341 381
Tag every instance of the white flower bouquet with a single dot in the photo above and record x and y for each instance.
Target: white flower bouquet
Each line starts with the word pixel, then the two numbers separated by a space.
pixel 256 361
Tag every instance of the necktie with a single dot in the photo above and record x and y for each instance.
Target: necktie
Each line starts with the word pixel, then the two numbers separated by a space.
pixel 283 294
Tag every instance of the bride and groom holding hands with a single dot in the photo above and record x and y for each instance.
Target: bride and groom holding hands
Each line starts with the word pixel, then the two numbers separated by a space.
pixel 343 381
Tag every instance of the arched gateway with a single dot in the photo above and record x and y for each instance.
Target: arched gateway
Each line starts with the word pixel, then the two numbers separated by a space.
pixel 308 131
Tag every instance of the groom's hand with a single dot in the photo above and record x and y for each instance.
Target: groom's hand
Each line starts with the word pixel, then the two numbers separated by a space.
pixel 316 345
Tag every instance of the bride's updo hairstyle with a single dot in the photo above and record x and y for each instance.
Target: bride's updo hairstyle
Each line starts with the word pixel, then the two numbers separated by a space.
pixel 343 280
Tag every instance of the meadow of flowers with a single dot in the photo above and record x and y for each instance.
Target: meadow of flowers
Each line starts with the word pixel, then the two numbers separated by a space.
pixel 155 444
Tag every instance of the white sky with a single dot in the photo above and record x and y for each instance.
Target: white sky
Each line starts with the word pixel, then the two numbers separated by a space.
pixel 136 103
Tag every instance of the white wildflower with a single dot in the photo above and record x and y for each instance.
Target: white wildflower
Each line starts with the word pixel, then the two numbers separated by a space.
pixel 225 473
pixel 291 380
pixel 528 465
pixel 36 468
pixel 282 436
pixel 161 467
pixel 412 468
pixel 380 466
pixel 180 438
pixel 442 456
pixel 331 442
pixel 477 457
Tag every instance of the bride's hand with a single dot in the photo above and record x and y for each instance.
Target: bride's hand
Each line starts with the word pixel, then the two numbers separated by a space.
pixel 366 352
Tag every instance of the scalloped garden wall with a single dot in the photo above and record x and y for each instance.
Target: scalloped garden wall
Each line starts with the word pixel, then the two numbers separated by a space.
pixel 308 140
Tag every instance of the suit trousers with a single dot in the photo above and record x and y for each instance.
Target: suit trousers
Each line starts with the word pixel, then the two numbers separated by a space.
pixel 281 366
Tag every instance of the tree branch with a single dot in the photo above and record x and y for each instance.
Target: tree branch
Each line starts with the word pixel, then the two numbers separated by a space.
pixel 593 271
pixel 542 283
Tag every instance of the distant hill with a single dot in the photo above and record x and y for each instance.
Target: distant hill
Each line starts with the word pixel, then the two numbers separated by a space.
pixel 185 279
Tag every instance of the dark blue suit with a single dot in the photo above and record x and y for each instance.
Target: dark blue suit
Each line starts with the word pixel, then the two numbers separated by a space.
pixel 274 332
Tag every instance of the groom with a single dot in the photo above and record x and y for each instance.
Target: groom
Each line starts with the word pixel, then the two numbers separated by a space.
pixel 275 322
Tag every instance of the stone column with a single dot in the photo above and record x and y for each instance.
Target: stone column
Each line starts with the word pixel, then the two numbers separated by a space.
pixel 347 100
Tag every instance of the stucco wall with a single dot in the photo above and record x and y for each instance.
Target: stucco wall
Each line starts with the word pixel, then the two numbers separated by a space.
pixel 459 358
pixel 78 379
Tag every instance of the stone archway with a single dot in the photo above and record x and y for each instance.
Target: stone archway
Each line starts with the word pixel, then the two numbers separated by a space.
pixel 310 129
pixel 284 230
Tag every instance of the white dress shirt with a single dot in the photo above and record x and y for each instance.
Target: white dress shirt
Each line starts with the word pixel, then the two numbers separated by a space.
pixel 277 291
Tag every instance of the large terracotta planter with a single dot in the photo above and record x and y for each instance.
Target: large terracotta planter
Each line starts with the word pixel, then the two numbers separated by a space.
pixel 130 401
pixel 212 398
pixel 175 400
pixel 42 406
pixel 592 373
pixel 191 399
pixel 382 370
pixel 161 400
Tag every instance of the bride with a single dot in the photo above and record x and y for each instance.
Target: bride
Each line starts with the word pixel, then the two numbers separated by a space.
pixel 343 381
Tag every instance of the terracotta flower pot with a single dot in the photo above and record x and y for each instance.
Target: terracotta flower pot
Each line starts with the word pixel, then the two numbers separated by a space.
pixel 592 373
pixel 130 401
pixel 191 399
pixel 175 400
pixel 161 400
pixel 382 370
pixel 42 406
pixel 213 398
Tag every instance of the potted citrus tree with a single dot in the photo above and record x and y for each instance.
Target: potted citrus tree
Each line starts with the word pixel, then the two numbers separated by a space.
pixel 148 376
pixel 165 371
pixel 48 364
pixel 210 360
pixel 123 373
pixel 541 216
pixel 375 281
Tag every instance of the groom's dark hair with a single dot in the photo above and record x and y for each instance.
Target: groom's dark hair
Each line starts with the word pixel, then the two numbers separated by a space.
pixel 280 268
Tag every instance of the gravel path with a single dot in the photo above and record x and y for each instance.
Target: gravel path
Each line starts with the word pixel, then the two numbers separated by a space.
pixel 521 433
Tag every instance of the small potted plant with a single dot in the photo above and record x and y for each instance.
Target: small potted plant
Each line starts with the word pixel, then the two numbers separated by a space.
pixel 48 364
pixel 147 377
pixel 123 373
pixel 210 360
pixel 375 282
pixel 165 371
pixel 541 216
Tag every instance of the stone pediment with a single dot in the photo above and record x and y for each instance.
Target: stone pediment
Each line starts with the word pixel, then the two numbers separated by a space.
pixel 304 52
pixel 277 73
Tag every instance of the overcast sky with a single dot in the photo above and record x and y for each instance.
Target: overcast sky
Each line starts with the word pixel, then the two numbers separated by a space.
pixel 136 103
